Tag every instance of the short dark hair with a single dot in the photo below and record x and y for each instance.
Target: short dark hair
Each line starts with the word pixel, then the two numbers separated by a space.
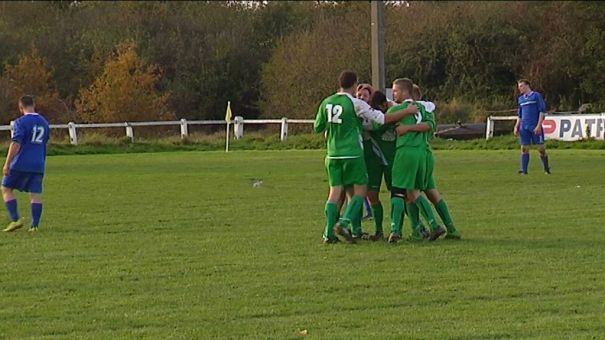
pixel 27 101
pixel 524 81
pixel 377 100
pixel 347 79
pixel 405 84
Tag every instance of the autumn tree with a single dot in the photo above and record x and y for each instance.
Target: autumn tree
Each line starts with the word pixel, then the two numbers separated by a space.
pixel 33 76
pixel 127 90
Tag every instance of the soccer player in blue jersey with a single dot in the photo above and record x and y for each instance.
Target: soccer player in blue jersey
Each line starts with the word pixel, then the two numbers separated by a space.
pixel 529 124
pixel 25 163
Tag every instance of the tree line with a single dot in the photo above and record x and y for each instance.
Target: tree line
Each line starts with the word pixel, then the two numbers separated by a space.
pixel 116 61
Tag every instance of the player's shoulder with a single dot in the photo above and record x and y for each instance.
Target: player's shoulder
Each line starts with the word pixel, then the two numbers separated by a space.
pixel 338 97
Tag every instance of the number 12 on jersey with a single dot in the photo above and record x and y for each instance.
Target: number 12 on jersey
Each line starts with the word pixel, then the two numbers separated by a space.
pixel 37 134
pixel 334 112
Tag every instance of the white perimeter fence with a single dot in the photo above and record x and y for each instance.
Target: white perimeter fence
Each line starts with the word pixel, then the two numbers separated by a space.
pixel 562 127
pixel 238 126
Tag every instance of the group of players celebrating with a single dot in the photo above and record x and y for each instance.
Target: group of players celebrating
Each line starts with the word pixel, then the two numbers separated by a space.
pixel 368 138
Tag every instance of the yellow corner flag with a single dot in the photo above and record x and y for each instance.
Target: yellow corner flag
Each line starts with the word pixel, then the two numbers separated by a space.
pixel 228 113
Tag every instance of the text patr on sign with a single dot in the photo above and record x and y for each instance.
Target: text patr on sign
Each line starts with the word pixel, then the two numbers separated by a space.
pixel 576 127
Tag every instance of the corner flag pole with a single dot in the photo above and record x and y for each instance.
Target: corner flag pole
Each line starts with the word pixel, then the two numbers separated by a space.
pixel 228 120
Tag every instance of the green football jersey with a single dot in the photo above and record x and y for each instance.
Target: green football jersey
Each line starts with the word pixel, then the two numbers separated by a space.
pixel 413 139
pixel 430 117
pixel 337 116
pixel 429 134
pixel 383 142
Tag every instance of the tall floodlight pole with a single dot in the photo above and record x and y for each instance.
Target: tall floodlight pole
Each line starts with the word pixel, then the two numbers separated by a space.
pixel 378 81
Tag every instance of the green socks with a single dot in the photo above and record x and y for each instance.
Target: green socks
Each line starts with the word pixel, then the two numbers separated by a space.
pixel 331 211
pixel 353 211
pixel 397 211
pixel 426 211
pixel 444 213
pixel 414 214
pixel 378 214
pixel 356 222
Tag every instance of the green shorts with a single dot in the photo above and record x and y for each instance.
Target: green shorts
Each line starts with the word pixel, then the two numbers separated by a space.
pixel 376 171
pixel 430 167
pixel 346 172
pixel 409 168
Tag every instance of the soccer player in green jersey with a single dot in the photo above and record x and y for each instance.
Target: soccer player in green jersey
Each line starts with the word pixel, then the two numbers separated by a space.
pixel 379 149
pixel 364 92
pixel 431 191
pixel 409 166
pixel 339 115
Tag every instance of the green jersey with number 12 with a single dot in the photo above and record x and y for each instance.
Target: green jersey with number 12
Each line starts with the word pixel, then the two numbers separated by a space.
pixel 339 115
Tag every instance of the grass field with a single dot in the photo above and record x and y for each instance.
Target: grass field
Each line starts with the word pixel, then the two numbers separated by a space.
pixel 181 245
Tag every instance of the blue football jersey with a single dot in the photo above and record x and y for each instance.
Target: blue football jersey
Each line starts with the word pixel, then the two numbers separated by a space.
pixel 530 106
pixel 31 131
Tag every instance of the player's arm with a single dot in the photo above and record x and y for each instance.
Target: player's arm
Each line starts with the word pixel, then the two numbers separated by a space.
pixel 368 114
pixel 13 150
pixel 427 124
pixel 320 120
pixel 18 138
pixel 420 127
pixel 542 110
pixel 517 122
pixel 396 116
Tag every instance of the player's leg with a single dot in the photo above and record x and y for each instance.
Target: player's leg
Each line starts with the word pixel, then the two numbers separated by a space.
pixel 414 197
pixel 343 201
pixel 9 183
pixel 397 214
pixel 539 141
pixel 444 213
pixel 375 169
pixel 368 156
pixel 377 213
pixel 432 193
pixel 36 210
pixel 368 207
pixel 356 228
pixel 418 231
pixel 331 212
pixel 331 208
pixel 35 189
pixel 402 164
pixel 525 137
pixel 354 173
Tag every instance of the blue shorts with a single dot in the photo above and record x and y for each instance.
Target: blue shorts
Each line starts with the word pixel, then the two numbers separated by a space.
pixel 528 137
pixel 24 181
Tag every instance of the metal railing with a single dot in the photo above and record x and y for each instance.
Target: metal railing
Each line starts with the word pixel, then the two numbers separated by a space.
pixel 184 124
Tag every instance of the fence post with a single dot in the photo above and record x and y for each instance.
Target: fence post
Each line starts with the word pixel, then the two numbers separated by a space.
pixel 489 128
pixel 73 135
pixel 129 132
pixel 284 129
pixel 12 124
pixel 184 130
pixel 238 127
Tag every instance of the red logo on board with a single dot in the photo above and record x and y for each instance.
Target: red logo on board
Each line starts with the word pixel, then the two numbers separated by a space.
pixel 549 126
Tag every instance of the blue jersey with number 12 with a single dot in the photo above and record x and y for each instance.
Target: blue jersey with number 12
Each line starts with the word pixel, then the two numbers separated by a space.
pixel 31 131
